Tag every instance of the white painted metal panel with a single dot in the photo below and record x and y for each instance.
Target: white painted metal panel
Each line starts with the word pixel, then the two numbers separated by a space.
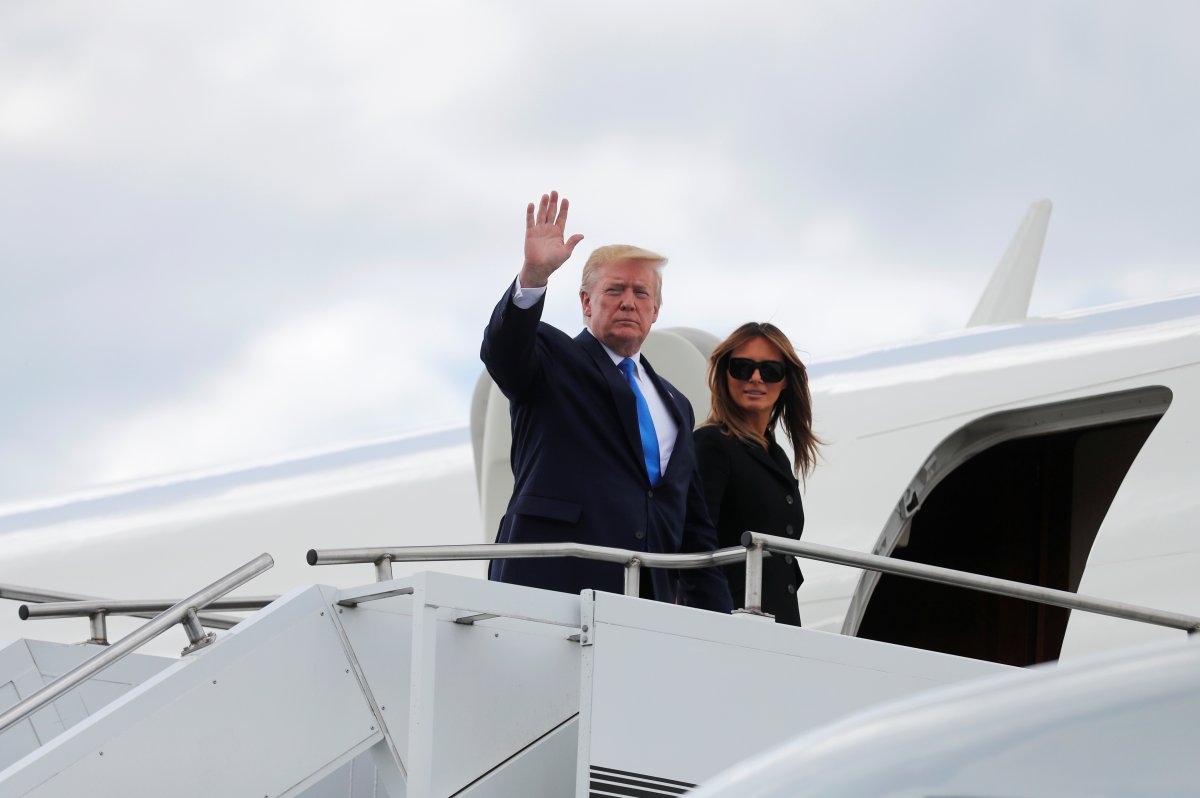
pixel 462 699
pixel 500 688
pixel 27 666
pixel 546 768
pixel 1122 725
pixel 380 635
pixel 680 694
pixel 55 659
pixel 20 739
pixel 269 708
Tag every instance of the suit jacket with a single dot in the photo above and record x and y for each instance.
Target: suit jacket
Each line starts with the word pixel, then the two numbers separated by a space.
pixel 751 488
pixel 579 471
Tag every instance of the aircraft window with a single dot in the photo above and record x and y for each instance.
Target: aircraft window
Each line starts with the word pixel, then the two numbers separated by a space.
pixel 1032 487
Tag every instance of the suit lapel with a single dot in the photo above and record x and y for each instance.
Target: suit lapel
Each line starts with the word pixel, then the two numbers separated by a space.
pixel 668 396
pixel 622 395
pixel 764 458
pixel 681 453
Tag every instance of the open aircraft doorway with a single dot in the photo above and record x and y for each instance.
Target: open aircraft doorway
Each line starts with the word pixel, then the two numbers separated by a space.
pixel 1017 495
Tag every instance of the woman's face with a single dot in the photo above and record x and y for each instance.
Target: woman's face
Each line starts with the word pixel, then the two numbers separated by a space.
pixel 754 395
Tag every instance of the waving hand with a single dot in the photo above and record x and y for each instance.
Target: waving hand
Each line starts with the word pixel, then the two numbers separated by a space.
pixel 545 248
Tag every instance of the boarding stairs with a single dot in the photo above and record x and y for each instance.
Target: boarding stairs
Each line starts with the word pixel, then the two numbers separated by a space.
pixel 446 686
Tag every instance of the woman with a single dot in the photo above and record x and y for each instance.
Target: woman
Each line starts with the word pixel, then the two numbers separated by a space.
pixel 757 381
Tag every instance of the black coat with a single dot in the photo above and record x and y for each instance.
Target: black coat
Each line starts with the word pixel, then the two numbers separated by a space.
pixel 578 467
pixel 748 488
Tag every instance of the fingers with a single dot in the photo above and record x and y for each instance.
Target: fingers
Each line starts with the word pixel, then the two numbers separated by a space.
pixel 571 242
pixel 549 211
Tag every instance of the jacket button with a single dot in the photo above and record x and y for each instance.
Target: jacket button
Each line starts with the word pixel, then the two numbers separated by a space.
pixel 792 589
pixel 650 493
pixel 790 530
pixel 789 559
pixel 639 534
pixel 789 498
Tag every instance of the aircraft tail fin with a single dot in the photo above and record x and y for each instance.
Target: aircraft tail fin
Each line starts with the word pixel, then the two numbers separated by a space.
pixel 1006 298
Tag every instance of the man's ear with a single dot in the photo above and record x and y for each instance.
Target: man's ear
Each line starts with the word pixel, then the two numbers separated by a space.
pixel 586 302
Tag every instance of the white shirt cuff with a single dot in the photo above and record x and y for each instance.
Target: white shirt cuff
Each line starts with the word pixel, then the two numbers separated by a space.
pixel 525 298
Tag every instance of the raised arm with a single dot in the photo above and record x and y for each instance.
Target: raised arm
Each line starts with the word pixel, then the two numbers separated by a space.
pixel 545 247
pixel 509 341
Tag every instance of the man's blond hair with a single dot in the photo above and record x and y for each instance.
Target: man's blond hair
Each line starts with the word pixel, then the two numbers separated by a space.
pixel 617 252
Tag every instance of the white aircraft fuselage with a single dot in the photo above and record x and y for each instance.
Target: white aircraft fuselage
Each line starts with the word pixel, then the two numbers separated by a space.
pixel 1057 451
pixel 1120 383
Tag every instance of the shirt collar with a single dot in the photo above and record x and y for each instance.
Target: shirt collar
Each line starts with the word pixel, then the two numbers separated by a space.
pixel 616 359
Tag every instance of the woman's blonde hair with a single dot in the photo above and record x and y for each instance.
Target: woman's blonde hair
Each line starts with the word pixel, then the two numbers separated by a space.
pixel 794 407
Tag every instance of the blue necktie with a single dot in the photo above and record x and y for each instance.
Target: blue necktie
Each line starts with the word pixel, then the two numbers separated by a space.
pixel 645 422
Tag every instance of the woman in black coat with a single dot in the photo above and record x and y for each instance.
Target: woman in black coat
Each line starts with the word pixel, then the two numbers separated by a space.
pixel 757 381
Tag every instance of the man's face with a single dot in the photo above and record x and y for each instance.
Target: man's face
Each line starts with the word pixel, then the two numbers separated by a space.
pixel 622 304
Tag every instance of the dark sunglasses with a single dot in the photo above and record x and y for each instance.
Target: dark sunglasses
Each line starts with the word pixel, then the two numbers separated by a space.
pixel 743 368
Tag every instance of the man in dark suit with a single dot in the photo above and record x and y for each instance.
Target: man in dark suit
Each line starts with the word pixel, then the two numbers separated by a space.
pixel 602 448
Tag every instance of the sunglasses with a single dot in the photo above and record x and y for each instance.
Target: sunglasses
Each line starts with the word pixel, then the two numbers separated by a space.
pixel 743 368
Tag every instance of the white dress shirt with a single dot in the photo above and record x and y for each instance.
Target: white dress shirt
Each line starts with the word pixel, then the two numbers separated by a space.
pixel 664 423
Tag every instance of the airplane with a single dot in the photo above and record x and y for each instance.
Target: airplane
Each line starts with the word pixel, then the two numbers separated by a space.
pixel 1056 451
pixel 1052 451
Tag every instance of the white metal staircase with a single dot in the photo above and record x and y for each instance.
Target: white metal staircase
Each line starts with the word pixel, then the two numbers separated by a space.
pixel 463 687
pixel 451 686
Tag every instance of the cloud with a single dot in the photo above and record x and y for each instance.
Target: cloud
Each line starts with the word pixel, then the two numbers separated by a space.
pixel 337 374
pixel 195 204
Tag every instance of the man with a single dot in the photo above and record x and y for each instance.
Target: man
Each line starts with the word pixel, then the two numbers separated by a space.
pixel 596 460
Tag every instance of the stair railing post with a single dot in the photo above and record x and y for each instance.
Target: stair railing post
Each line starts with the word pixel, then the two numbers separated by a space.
pixel 633 577
pixel 754 573
pixel 197 637
pixel 99 628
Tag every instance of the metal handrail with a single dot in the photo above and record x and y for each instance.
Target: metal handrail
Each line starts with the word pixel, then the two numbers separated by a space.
pixel 41 596
pixel 948 576
pixel 383 557
pixel 134 607
pixel 183 611
pixel 757 545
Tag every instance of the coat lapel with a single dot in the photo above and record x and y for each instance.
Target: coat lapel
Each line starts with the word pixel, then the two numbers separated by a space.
pixel 668 396
pixel 682 451
pixel 778 469
pixel 622 394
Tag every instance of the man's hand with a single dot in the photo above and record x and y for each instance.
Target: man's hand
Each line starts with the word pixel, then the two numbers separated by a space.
pixel 545 249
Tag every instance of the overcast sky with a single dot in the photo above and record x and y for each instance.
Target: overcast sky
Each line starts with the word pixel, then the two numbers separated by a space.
pixel 237 231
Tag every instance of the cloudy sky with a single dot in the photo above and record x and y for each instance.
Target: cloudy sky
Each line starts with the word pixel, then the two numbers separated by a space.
pixel 232 232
